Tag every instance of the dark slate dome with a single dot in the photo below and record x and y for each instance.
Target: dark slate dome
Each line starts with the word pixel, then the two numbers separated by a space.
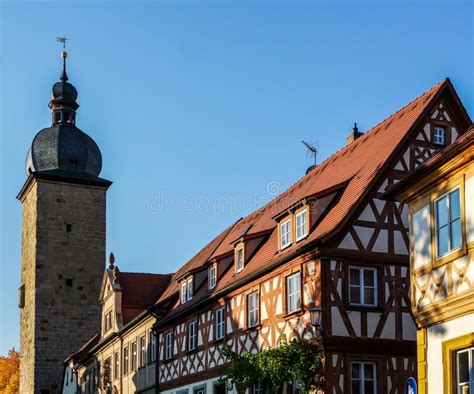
pixel 65 148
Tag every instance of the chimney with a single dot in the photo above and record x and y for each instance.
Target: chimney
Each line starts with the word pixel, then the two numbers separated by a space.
pixel 353 135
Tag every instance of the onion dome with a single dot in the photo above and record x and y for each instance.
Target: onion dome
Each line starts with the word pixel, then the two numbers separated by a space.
pixel 63 148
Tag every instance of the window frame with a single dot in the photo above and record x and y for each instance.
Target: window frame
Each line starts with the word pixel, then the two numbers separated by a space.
pixel 192 337
pixel 116 365
pixel 362 375
pixel 213 277
pixel 108 321
pixel 450 348
pixel 142 361
pixel 290 238
pixel 362 286
pixel 255 311
pixel 470 371
pixel 186 290
pixel 169 347
pixel 298 214
pixel 298 305
pixel 126 360
pixel 217 312
pixel 134 357
pixel 447 195
pixel 152 346
pixel 239 250
pixel 435 135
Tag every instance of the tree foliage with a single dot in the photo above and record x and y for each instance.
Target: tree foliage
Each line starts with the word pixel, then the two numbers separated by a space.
pixel 10 373
pixel 297 361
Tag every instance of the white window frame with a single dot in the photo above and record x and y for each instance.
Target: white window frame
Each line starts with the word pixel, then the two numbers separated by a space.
pixel 293 298
pixel 212 276
pixel 152 346
pixel 303 226
pixel 362 286
pixel 126 360
pixel 439 139
pixel 192 335
pixel 450 240
pixel 470 382
pixel 219 323
pixel 187 290
pixel 362 377
pixel 285 237
pixel 134 355
pixel 253 309
pixel 168 345
pixel 142 351
pixel 239 259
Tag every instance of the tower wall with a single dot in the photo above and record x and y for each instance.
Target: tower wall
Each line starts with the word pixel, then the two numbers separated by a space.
pixel 63 255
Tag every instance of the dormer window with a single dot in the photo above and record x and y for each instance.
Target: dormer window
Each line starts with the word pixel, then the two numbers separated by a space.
pixel 239 260
pixel 187 290
pixel 301 224
pixel 108 321
pixel 285 234
pixel 212 276
pixel 439 136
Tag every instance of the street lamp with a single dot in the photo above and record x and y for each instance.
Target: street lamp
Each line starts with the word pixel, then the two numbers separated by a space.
pixel 316 315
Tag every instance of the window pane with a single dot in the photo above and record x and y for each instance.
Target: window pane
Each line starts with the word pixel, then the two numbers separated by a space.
pixel 369 372
pixel 442 239
pixel 354 275
pixel 454 204
pixel 442 212
pixel 456 235
pixel 355 387
pixel 369 387
pixel 369 296
pixel 356 371
pixel 463 367
pixel 354 296
pixel 369 278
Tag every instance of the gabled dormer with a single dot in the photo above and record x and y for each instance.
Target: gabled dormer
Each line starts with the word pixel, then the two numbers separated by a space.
pixel 246 245
pixel 111 299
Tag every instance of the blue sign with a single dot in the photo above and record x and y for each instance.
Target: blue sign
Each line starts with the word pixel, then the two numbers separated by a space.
pixel 410 387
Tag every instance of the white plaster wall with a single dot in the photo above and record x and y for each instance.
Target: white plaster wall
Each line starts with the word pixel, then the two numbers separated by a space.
pixel 436 335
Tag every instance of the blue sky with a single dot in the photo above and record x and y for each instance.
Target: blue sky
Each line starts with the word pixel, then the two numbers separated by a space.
pixel 199 107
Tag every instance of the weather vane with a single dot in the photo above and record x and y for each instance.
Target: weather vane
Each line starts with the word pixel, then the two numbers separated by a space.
pixel 62 40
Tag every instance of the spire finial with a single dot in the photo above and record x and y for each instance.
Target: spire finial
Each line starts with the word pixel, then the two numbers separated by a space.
pixel 63 40
pixel 355 129
pixel 111 261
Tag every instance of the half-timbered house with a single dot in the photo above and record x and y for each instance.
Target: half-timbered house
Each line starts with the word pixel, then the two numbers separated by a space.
pixel 329 241
pixel 440 196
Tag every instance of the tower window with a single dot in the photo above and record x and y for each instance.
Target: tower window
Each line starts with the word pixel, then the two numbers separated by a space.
pixel 57 117
pixel 68 282
pixel 73 165
pixel 68 227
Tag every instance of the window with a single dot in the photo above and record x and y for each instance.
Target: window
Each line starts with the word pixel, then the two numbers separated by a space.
pixel 212 276
pixel 258 388
pixel 116 365
pixel 363 286
pixel 239 259
pixel 363 378
pixel 285 234
pixel 192 335
pixel 152 352
pixel 187 290
pixel 220 323
pixel 252 309
pixel 142 351
pixel 293 293
pixel 107 373
pixel 134 356
pixel 301 224
pixel 439 137
pixel 199 390
pixel 448 222
pixel 125 360
pixel 108 321
pixel 465 371
pixel 169 346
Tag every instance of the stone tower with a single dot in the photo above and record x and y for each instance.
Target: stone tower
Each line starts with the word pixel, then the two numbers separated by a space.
pixel 63 244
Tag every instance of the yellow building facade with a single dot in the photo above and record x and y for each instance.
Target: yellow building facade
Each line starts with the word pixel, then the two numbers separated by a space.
pixel 440 195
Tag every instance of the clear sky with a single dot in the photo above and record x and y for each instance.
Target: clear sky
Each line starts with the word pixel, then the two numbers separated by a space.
pixel 199 107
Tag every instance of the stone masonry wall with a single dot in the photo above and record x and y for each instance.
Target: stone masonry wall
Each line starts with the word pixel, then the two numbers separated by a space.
pixel 63 263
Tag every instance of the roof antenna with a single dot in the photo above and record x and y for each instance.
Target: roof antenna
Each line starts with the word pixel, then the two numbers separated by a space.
pixel 312 150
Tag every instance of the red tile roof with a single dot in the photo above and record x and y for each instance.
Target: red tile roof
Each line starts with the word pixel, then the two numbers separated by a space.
pixel 139 291
pixel 351 170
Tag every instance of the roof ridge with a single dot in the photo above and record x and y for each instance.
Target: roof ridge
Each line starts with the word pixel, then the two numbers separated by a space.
pixel 146 273
pixel 352 145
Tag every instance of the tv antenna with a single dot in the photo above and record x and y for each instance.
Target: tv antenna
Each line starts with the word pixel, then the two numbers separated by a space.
pixel 312 149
